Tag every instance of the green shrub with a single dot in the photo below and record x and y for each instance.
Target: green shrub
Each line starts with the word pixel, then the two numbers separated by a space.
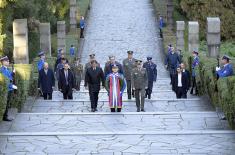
pixel 3 95
pixel 22 79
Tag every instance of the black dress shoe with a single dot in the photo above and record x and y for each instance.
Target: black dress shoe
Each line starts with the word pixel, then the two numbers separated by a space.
pixel 7 119
pixel 138 110
pixel 149 96
pixel 92 110
pixel 142 110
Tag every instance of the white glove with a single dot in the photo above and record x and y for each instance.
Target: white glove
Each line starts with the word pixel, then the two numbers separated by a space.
pixel 217 69
pixel 74 89
pixel 14 87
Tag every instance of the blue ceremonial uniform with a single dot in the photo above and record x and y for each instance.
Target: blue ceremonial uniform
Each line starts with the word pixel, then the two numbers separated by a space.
pixel 40 64
pixel 151 69
pixel 226 71
pixel 9 75
pixel 195 63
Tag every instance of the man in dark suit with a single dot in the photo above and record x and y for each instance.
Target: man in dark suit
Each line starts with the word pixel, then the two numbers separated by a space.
pixel 46 81
pixel 94 76
pixel 184 70
pixel 66 82
pixel 180 84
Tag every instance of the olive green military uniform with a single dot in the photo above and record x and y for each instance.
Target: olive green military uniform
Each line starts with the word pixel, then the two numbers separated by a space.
pixel 128 65
pixel 139 83
pixel 77 70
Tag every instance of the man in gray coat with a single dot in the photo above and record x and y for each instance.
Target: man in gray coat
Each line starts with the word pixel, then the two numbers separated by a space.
pixel 128 65
pixel 140 83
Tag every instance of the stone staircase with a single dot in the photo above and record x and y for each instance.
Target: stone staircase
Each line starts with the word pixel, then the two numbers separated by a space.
pixel 169 126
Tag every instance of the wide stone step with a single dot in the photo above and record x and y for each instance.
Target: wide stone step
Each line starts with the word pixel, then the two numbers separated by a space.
pixel 73 106
pixel 104 95
pixel 116 122
pixel 171 143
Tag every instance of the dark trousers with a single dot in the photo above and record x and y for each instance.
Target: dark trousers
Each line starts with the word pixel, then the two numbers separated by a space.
pixel 47 96
pixel 114 110
pixel 181 93
pixel 81 32
pixel 94 96
pixel 129 89
pixel 140 98
pixel 149 90
pixel 68 93
pixel 9 95
pixel 194 86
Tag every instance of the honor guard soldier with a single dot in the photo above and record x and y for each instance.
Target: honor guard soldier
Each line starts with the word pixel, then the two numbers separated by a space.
pixel 77 69
pixel 9 75
pixel 128 65
pixel 227 69
pixel 139 83
pixel 41 61
pixel 195 64
pixel 152 76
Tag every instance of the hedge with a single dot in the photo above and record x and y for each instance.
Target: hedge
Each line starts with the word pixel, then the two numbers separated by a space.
pixel 3 95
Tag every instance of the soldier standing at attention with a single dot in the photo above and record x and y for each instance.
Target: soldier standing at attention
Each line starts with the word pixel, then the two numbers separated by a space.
pixel 128 65
pixel 195 64
pixel 77 69
pixel 152 76
pixel 140 83
pixel 226 70
pixel 11 87
pixel 41 60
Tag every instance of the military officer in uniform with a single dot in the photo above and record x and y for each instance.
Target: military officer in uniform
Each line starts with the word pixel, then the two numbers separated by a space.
pixel 128 65
pixel 41 61
pixel 88 65
pixel 227 69
pixel 77 69
pixel 139 80
pixel 195 64
pixel 9 75
pixel 152 76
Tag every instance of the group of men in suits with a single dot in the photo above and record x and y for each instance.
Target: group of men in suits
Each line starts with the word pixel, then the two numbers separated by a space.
pixel 65 77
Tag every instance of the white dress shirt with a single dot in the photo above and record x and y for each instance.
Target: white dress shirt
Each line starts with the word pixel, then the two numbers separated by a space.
pixel 180 80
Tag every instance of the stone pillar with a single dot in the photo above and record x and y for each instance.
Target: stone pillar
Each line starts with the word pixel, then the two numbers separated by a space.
pixel 73 12
pixel 180 27
pixel 45 37
pixel 213 36
pixel 193 36
pixel 170 9
pixel 61 35
pixel 20 41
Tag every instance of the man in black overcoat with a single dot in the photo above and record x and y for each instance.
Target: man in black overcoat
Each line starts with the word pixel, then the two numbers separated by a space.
pixel 66 82
pixel 93 78
pixel 46 81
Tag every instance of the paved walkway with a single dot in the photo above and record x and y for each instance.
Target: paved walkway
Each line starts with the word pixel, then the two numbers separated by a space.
pixel 170 126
